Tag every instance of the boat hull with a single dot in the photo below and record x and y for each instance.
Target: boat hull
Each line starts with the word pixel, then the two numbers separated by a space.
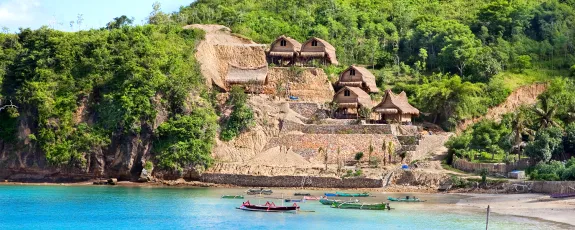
pixel 341 194
pixel 359 206
pixel 232 197
pixel 404 200
pixel 262 208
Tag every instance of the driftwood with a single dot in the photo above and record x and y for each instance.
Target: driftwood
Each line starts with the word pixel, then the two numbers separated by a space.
pixel 11 105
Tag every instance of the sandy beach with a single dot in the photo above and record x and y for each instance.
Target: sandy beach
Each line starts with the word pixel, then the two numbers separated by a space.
pixel 528 205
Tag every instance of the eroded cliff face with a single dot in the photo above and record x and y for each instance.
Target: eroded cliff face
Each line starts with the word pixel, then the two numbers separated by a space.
pixel 123 158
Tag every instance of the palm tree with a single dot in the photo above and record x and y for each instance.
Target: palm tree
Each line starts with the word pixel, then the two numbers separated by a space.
pixel 325 156
pixel 370 151
pixel 390 150
pixel 383 149
pixel 519 127
pixel 545 112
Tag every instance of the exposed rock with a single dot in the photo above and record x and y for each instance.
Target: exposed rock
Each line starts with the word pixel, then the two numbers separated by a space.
pixel 112 181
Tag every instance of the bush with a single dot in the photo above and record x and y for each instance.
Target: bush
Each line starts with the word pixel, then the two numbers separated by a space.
pixel 552 171
pixel 358 156
pixel 186 141
pixel 241 118
pixel 149 166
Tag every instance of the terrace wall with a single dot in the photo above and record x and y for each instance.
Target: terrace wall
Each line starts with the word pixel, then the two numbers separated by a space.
pixel 291 181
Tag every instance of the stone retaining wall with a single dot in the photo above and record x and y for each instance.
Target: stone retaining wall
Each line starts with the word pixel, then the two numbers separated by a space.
pixel 306 109
pixel 307 145
pixel 291 181
pixel 500 168
pixel 551 187
pixel 288 126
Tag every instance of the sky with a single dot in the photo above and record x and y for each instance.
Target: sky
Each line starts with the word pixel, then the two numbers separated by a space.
pixel 57 14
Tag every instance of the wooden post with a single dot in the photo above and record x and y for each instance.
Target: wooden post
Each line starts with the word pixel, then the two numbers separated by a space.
pixel 487 223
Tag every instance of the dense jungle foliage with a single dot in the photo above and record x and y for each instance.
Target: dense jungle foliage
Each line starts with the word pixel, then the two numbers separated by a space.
pixel 79 90
pixel 419 45
pixel 545 133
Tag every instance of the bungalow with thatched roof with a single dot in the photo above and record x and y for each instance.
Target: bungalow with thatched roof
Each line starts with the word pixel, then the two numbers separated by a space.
pixel 316 48
pixel 246 75
pixel 357 76
pixel 395 108
pixel 349 100
pixel 284 50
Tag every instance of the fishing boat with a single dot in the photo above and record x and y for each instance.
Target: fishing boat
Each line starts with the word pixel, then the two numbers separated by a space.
pixel 406 199
pixel 345 205
pixel 268 207
pixel 343 194
pixel 257 191
pixel 302 194
pixel 294 200
pixel 562 195
pixel 326 201
pixel 311 198
pixel 232 197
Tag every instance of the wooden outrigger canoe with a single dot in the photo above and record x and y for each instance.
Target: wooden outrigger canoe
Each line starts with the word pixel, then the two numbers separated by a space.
pixel 406 199
pixel 268 207
pixel 232 197
pixel 362 206
pixel 325 201
pixel 342 194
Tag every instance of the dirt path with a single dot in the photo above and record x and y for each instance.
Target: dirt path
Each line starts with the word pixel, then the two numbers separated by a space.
pixel 524 95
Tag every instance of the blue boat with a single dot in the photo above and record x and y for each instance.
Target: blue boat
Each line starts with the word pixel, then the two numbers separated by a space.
pixel 330 194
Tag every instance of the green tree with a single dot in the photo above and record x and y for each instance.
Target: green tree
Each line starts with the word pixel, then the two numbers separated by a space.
pixel 119 22
pixel 523 62
pixel 186 141
pixel 547 144
pixel 241 118
pixel 545 111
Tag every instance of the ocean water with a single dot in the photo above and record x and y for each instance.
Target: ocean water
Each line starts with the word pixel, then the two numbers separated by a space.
pixel 108 207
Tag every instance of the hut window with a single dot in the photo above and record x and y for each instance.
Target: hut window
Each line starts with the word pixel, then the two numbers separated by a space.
pixel 352 72
pixel 314 43
pixel 346 93
pixel 283 43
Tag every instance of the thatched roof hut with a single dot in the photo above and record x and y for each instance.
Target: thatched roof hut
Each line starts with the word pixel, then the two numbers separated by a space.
pixel 357 76
pixel 396 108
pixel 352 97
pixel 242 75
pixel 284 47
pixel 318 48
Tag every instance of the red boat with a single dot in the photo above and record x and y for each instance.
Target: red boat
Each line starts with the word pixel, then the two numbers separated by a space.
pixel 268 207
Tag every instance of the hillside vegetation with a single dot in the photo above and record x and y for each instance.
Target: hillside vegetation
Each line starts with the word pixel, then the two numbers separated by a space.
pixel 78 92
pixel 419 46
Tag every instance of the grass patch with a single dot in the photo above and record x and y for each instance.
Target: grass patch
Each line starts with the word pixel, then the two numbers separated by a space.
pixel 515 80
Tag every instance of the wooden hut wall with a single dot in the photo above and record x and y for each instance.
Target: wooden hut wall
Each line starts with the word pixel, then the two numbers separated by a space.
pixel 347 77
pixel 278 48
pixel 341 98
pixel 309 48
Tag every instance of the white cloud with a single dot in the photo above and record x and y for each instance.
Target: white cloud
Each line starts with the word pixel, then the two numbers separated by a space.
pixel 12 11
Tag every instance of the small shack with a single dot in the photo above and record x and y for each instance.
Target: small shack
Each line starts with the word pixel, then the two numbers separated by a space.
pixel 319 49
pixel 251 78
pixel 284 51
pixel 395 108
pixel 357 76
pixel 349 100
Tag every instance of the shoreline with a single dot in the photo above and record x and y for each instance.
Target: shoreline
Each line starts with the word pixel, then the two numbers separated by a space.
pixel 527 205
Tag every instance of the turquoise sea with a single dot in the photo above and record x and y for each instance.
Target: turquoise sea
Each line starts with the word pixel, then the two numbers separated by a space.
pixel 107 207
